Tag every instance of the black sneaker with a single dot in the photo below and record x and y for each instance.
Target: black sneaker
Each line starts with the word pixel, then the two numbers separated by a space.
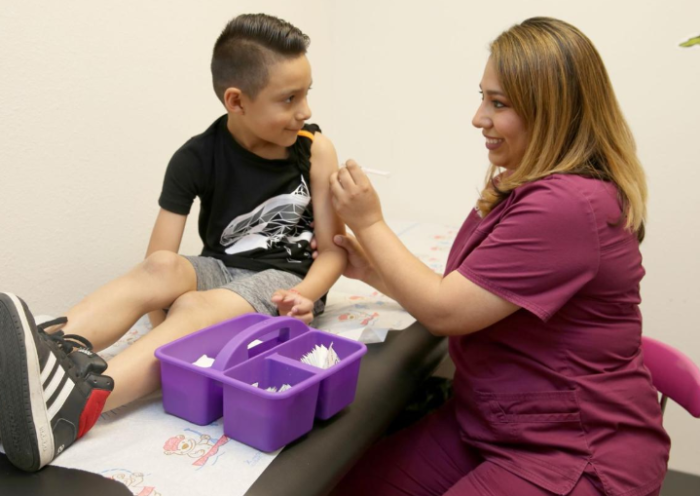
pixel 51 388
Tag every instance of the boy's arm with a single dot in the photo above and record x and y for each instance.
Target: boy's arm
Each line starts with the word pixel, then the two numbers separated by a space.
pixel 166 235
pixel 331 259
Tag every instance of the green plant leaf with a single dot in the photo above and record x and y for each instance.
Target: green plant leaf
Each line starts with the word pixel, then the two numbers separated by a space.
pixel 691 42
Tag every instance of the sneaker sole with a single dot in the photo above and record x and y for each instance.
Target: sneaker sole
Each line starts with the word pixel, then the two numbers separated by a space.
pixel 25 427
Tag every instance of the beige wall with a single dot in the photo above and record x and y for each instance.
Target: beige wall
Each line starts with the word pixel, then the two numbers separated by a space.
pixel 95 97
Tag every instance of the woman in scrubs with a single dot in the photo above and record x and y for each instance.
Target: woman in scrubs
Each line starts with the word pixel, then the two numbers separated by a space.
pixel 540 297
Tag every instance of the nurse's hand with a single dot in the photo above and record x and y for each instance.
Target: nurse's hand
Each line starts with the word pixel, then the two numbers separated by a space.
pixel 358 266
pixel 354 198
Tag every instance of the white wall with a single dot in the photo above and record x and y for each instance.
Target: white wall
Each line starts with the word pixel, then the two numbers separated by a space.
pixel 95 97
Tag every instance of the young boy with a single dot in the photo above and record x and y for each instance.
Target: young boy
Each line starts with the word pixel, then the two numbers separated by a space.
pixel 255 170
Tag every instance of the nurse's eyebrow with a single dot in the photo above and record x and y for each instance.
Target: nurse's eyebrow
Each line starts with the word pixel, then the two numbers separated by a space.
pixel 492 92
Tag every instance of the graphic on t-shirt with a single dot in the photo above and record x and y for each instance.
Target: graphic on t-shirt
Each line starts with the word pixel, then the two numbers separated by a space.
pixel 281 219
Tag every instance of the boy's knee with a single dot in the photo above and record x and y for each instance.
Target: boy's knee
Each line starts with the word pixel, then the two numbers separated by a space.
pixel 205 308
pixel 194 306
pixel 162 262
pixel 189 302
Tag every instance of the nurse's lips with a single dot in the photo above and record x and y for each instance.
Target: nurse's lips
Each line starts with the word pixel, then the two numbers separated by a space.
pixel 493 143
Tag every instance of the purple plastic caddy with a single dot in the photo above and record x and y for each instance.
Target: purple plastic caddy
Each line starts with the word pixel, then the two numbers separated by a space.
pixel 263 419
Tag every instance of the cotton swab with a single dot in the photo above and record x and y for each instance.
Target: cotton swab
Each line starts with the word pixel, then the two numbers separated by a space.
pixel 377 172
pixel 369 170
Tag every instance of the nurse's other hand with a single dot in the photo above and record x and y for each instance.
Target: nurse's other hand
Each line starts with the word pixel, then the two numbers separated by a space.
pixel 358 266
pixel 354 198
pixel 314 248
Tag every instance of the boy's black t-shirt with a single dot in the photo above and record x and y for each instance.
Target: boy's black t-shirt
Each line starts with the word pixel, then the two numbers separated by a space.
pixel 255 213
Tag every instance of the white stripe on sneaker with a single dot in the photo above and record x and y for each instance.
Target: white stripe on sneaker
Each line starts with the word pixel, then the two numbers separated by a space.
pixel 61 399
pixel 55 382
pixel 48 367
pixel 42 424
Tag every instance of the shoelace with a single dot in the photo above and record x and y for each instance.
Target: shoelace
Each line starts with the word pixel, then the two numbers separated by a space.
pixel 51 323
pixel 67 342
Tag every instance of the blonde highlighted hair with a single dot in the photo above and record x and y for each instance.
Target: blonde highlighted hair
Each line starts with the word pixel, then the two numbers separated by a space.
pixel 557 83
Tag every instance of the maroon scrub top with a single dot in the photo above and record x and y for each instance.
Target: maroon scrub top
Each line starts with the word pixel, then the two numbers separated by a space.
pixel 559 387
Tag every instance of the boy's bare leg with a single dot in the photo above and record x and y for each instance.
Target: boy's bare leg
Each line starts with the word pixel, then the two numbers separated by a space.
pixel 136 371
pixel 105 315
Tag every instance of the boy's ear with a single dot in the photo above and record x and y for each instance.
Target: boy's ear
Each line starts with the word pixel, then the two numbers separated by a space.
pixel 233 101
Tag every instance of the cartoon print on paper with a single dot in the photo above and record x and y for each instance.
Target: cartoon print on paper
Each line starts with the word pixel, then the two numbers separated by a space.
pixel 134 481
pixel 357 316
pixel 198 446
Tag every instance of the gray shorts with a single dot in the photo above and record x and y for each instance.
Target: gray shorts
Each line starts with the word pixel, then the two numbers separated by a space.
pixel 254 287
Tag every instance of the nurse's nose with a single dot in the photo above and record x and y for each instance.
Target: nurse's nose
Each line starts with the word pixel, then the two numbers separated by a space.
pixel 480 119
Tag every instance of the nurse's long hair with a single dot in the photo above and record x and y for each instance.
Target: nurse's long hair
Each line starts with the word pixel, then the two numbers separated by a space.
pixel 557 83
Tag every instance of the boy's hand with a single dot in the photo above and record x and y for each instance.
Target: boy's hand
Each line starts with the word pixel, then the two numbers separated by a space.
pixel 291 304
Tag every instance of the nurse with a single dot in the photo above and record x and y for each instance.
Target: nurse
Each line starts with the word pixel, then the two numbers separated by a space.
pixel 540 297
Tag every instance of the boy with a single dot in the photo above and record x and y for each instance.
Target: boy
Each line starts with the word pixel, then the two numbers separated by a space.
pixel 254 170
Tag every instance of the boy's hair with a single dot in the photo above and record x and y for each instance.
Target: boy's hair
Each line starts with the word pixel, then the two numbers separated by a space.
pixel 247 46
pixel 557 83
